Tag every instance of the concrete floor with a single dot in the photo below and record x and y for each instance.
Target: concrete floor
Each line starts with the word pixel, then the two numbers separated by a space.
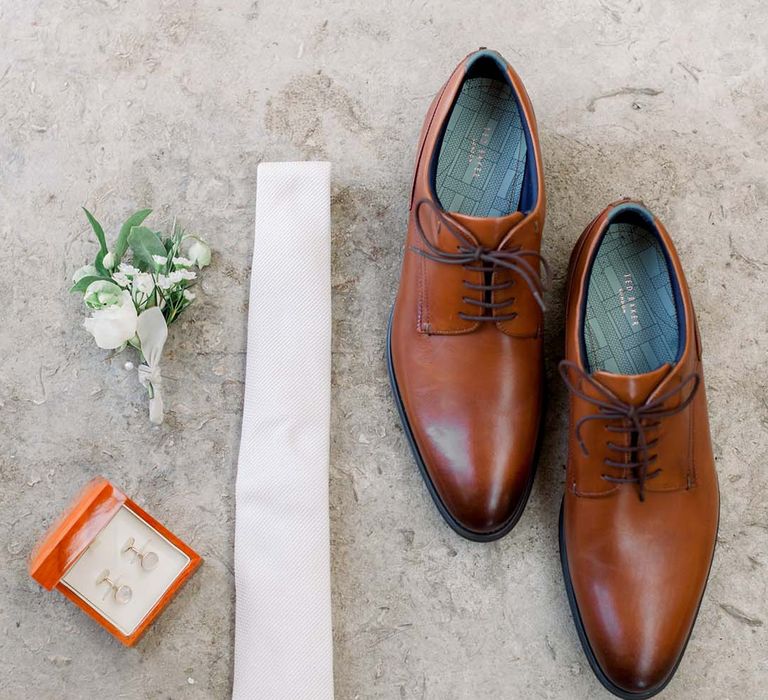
pixel 171 104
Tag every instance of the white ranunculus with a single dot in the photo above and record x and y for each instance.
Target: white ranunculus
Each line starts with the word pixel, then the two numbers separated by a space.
pixel 109 260
pixel 200 253
pixel 114 325
pixel 183 262
pixel 85 271
pixel 101 294
pixel 160 260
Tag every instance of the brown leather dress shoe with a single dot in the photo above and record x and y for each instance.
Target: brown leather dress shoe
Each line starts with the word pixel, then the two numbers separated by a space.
pixel 464 345
pixel 641 506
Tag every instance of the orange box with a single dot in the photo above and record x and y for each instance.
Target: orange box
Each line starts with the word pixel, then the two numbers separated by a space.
pixel 113 560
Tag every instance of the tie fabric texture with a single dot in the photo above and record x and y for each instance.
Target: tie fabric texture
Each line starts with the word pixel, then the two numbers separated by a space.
pixel 283 637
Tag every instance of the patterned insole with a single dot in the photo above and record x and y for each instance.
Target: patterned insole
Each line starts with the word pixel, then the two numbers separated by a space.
pixel 631 324
pixel 482 158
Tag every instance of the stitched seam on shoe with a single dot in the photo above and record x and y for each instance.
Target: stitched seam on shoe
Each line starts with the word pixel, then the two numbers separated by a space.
pixel 571 466
pixel 421 325
pixel 691 451
pixel 425 288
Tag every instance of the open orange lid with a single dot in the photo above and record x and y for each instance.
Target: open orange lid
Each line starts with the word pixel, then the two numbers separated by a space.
pixel 71 534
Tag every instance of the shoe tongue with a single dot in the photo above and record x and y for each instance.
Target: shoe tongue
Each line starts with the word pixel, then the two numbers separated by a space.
pixel 489 231
pixel 633 389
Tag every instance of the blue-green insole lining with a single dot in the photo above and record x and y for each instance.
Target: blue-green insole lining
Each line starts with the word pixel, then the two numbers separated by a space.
pixel 481 164
pixel 631 324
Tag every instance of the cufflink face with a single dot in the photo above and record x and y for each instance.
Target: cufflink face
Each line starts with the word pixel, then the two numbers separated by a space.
pixel 148 560
pixel 121 593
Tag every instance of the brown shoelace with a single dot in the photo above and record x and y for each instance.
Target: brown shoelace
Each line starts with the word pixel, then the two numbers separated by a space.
pixel 470 254
pixel 635 420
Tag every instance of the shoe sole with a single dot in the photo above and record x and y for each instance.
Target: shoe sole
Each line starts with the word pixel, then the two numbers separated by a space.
pixel 604 680
pixel 441 507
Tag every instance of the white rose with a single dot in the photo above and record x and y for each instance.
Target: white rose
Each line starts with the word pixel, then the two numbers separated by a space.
pixel 113 325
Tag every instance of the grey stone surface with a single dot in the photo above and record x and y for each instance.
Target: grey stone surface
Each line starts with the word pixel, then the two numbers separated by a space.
pixel 172 104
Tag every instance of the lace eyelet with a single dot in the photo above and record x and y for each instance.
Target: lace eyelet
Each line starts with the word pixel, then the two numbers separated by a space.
pixel 634 420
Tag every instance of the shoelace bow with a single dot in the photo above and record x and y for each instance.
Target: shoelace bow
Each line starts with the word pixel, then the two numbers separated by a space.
pixel 469 254
pixel 635 420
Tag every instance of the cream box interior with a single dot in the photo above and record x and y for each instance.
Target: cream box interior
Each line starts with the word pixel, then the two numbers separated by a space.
pixel 136 578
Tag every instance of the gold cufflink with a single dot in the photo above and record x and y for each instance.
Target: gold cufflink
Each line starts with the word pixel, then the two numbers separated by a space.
pixel 149 560
pixel 121 593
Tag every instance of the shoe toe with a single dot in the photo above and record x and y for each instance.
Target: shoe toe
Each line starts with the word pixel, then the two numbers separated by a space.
pixel 482 483
pixel 474 433
pixel 641 674
pixel 637 648
pixel 637 676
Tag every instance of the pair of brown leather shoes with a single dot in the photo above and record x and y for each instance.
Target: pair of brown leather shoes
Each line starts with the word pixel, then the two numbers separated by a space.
pixel 640 512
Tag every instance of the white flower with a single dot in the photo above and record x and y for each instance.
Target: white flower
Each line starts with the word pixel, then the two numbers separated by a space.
pixel 164 282
pixel 109 260
pixel 179 275
pixel 127 269
pixel 183 262
pixel 101 294
pixel 143 285
pixel 121 278
pixel 85 271
pixel 189 296
pixel 114 325
pixel 200 253
pixel 160 260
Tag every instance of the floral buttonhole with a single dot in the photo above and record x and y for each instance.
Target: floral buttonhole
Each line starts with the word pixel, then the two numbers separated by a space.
pixel 138 288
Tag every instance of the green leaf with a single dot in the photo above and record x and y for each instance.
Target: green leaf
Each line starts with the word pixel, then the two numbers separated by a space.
pixel 145 243
pixel 122 240
pixel 83 282
pixel 96 226
pixel 99 263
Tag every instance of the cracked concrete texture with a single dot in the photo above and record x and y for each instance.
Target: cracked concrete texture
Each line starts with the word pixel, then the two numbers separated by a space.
pixel 172 104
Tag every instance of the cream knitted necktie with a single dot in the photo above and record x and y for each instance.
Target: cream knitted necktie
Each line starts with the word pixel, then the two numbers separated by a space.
pixel 283 640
